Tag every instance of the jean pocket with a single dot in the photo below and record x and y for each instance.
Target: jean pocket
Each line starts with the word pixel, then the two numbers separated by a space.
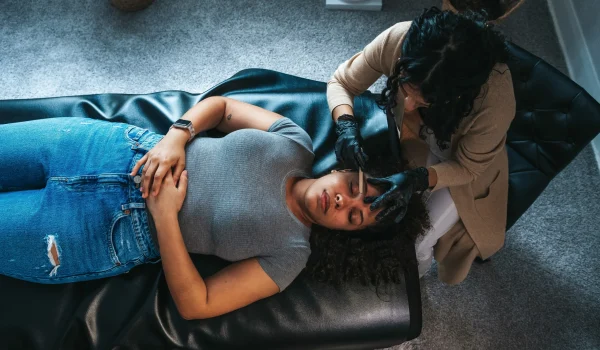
pixel 123 242
pixel 134 133
pixel 91 229
pixel 141 138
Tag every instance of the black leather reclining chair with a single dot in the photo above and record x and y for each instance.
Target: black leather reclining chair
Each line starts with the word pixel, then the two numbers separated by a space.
pixel 555 120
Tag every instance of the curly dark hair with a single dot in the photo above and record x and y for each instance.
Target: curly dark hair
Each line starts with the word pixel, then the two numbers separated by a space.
pixel 448 57
pixel 375 255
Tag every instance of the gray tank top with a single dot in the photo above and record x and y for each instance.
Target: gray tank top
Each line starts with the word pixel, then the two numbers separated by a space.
pixel 235 205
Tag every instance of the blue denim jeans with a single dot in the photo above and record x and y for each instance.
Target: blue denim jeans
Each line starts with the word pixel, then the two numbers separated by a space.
pixel 69 210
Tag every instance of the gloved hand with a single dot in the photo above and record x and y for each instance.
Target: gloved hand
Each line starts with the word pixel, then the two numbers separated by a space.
pixel 401 187
pixel 348 148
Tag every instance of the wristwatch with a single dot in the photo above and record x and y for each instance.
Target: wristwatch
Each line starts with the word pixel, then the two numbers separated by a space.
pixel 185 124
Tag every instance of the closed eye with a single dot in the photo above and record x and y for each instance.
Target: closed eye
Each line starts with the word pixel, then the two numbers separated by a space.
pixel 353 188
pixel 357 213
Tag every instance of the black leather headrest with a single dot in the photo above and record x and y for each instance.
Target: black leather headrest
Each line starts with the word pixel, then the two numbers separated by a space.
pixel 555 119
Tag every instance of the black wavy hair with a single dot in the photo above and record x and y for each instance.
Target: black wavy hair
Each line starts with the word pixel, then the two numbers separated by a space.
pixel 448 57
pixel 375 255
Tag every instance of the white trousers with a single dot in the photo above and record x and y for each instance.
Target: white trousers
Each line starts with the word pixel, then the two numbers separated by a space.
pixel 442 215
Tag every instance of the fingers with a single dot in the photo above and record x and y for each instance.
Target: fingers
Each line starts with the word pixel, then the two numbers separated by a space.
pixel 369 199
pixel 178 170
pixel 384 213
pixel 360 156
pixel 339 147
pixel 158 178
pixel 378 203
pixel 401 214
pixel 357 156
pixel 377 181
pixel 349 158
pixel 386 198
pixel 139 164
pixel 396 211
pixel 183 182
pixel 148 177
pixel 350 154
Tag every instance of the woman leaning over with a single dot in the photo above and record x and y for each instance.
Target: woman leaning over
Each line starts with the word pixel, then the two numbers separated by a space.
pixel 450 92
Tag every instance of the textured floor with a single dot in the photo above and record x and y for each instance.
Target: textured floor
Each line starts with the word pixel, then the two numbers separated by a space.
pixel 542 291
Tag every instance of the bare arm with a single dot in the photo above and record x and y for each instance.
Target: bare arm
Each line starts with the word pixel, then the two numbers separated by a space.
pixel 355 75
pixel 223 113
pixel 234 287
pixel 341 109
pixel 226 115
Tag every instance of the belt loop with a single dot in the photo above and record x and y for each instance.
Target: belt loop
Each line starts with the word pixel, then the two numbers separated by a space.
pixel 133 205
pixel 139 133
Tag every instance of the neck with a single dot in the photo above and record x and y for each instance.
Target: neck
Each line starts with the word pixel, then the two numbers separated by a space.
pixel 295 189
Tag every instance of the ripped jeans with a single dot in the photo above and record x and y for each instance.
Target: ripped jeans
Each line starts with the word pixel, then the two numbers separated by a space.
pixel 69 210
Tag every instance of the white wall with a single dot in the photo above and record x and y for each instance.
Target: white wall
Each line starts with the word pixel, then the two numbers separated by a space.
pixel 578 31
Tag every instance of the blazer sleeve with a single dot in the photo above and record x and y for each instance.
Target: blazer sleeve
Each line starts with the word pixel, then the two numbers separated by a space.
pixel 486 136
pixel 357 74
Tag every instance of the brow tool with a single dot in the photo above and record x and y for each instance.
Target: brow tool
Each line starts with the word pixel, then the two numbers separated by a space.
pixel 361 181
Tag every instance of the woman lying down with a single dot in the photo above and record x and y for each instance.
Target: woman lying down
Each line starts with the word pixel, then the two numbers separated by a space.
pixel 83 199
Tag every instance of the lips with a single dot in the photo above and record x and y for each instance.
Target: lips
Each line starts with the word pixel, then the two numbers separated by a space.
pixel 324 201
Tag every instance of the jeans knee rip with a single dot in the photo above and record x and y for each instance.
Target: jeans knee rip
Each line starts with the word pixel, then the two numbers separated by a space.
pixel 53 253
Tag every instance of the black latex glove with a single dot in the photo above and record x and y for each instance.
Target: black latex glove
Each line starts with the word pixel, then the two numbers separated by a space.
pixel 400 188
pixel 348 149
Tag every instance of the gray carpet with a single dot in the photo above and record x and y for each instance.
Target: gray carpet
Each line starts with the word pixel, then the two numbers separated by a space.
pixel 542 291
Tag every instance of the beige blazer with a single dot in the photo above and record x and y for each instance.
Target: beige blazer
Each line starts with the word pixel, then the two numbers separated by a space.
pixel 477 173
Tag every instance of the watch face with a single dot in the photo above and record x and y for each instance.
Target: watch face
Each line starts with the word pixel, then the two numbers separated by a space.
pixel 183 123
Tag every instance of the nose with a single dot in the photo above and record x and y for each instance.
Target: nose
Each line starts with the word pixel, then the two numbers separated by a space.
pixel 410 104
pixel 342 201
pixel 339 201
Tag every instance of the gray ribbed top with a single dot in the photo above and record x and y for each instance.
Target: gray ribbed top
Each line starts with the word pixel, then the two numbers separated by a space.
pixel 235 204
